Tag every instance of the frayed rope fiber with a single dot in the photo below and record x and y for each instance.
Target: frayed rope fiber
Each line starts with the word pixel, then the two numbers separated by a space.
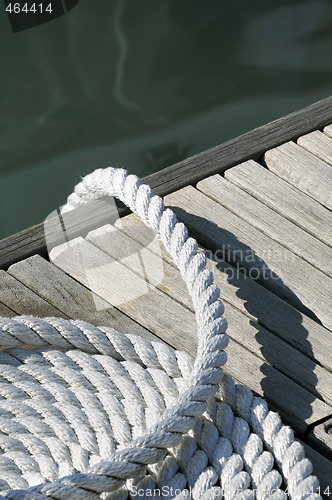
pixel 113 416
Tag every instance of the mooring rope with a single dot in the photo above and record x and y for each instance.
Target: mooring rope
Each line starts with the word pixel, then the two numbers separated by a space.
pixel 107 412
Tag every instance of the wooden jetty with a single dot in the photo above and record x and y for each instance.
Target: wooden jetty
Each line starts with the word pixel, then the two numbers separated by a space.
pixel 260 208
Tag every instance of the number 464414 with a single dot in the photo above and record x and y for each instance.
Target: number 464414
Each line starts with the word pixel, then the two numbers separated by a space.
pixel 17 8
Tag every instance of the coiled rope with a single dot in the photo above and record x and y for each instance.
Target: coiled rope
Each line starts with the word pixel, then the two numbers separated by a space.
pixel 113 407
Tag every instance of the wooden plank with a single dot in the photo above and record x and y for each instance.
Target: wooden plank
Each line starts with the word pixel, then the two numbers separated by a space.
pixel 328 130
pixel 293 279
pixel 250 145
pixel 111 280
pixel 282 394
pixel 257 339
pixel 180 330
pixel 268 221
pixel 5 312
pixel 283 198
pixel 318 144
pixel 247 295
pixel 22 300
pixel 303 170
pixel 70 297
pixel 39 238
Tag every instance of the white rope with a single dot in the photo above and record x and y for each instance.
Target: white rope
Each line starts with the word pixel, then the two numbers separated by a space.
pixel 113 408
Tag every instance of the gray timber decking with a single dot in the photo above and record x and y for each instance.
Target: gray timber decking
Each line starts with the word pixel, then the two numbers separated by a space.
pixel 264 222
pixel 251 145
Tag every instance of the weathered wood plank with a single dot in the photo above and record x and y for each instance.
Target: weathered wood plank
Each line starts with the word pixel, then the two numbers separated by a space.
pixel 6 312
pixel 268 221
pixel 303 170
pixel 72 298
pixel 39 238
pixel 258 303
pixel 286 200
pixel 257 339
pixel 240 244
pixel 328 130
pixel 175 324
pixel 22 300
pixel 318 144
pixel 112 281
pixel 282 394
pixel 215 160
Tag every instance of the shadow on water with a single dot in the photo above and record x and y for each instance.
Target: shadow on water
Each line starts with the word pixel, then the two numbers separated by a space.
pixel 226 246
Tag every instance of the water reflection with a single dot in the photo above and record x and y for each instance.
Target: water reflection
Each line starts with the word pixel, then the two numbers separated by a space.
pixel 115 83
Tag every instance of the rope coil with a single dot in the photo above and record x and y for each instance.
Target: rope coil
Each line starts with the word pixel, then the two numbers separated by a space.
pixel 115 416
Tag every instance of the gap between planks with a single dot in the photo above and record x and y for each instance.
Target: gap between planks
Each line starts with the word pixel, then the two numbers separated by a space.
pixel 269 222
pixel 283 198
pixel 179 329
pixel 71 298
pixel 318 144
pixel 258 303
pixel 38 267
pixel 215 227
pixel 303 170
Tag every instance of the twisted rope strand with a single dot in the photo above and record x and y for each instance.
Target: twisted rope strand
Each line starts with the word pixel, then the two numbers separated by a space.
pixel 113 404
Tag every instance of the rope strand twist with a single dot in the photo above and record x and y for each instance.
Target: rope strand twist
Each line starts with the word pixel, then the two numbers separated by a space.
pixel 113 407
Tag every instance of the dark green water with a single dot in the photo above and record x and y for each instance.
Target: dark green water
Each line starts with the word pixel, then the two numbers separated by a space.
pixel 145 83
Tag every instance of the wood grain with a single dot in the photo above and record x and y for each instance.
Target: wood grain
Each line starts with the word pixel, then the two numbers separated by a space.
pixel 111 280
pixel 250 145
pixel 70 297
pixel 283 198
pixel 257 339
pixel 283 395
pixel 318 144
pixel 265 260
pixel 303 170
pixel 5 311
pixel 175 323
pixel 41 238
pixel 268 221
pixel 22 300
pixel 328 130
pixel 248 296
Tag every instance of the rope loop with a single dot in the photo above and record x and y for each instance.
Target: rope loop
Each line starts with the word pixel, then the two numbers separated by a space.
pixel 106 410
